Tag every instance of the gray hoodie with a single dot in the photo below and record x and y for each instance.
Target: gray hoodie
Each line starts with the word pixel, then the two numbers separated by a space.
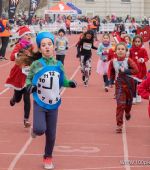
pixel 61 45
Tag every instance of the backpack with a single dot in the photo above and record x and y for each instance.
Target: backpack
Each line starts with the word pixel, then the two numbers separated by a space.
pixel 2 28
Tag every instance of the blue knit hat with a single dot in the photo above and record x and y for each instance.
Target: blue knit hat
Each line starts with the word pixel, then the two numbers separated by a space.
pixel 43 35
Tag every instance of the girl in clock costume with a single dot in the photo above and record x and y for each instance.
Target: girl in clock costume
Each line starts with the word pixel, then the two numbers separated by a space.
pixel 45 78
pixel 123 69
pixel 17 76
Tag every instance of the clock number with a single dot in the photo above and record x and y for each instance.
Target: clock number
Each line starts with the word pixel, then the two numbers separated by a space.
pixel 45 75
pixel 42 80
pixel 43 98
pixel 39 91
pixel 50 101
pixel 52 73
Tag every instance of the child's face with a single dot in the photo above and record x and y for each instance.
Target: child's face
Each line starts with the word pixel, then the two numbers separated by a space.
pixel 27 37
pixel 137 42
pixel 121 51
pixel 47 48
pixel 127 40
pixel 123 34
pixel 84 30
pixel 88 36
pixel 61 34
pixel 106 39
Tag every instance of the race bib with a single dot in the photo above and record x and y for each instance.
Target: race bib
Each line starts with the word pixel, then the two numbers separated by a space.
pixel 87 46
pixel 25 70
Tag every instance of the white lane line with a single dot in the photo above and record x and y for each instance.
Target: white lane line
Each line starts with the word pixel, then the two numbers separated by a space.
pixel 4 91
pixel 19 154
pixel 25 147
pixel 103 168
pixel 5 64
pixel 77 155
pixel 125 147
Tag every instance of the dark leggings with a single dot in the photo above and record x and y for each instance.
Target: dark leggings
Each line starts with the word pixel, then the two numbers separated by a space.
pixel 44 122
pixel 26 98
pixel 5 41
pixel 135 91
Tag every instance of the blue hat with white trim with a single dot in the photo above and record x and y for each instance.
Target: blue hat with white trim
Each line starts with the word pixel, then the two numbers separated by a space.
pixel 43 35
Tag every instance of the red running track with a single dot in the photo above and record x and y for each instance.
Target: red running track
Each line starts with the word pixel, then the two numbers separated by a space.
pixel 86 138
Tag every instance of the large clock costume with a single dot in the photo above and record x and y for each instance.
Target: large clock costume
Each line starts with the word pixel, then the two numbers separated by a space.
pixel 48 81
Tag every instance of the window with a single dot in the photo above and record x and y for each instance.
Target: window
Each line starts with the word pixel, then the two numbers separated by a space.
pixel 89 0
pixel 126 1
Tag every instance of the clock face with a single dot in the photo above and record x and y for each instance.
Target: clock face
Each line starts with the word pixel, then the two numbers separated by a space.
pixel 48 87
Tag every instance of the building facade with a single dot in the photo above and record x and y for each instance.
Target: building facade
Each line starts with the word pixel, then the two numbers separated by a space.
pixel 135 8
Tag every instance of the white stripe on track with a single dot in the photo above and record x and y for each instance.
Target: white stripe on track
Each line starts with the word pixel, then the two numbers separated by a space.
pixel 5 64
pixel 19 154
pixel 125 147
pixel 25 147
pixel 4 91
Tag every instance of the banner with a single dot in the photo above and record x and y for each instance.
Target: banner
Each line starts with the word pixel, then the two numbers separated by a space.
pixel 0 8
pixel 12 8
pixel 33 6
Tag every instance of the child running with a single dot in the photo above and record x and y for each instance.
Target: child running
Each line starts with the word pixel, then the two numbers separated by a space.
pixel 45 79
pixel 144 90
pixel 17 75
pixel 85 46
pixel 84 30
pixel 139 55
pixel 122 67
pixel 61 46
pixel 102 65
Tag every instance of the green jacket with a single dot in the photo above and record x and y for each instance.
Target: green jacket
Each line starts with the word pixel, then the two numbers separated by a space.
pixel 37 66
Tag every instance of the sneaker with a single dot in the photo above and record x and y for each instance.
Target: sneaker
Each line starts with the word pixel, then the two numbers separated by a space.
pixel 85 84
pixel 106 89
pixel 33 135
pixel 1 58
pixel 134 100
pixel 5 58
pixel 119 129
pixel 27 124
pixel 128 116
pixel 138 99
pixel 12 102
pixel 48 163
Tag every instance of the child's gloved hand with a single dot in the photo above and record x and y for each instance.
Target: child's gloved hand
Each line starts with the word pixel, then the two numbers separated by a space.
pixel 66 48
pixel 31 88
pixel 72 84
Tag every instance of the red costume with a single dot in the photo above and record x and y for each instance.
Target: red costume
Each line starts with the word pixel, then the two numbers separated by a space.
pixel 139 56
pixel 16 78
pixel 124 85
pixel 144 90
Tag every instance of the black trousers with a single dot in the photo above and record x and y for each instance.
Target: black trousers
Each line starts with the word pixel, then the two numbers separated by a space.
pixel 60 58
pixel 26 98
pixel 5 41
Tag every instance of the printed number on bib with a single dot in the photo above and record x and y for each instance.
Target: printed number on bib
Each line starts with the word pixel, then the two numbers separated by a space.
pixel 87 46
